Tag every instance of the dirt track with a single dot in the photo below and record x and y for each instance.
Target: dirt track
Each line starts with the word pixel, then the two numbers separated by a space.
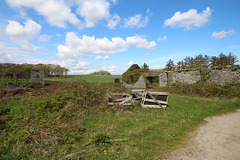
pixel 218 139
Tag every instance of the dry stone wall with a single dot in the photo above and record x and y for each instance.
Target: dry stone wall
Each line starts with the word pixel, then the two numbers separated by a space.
pixel 225 75
pixel 220 76
pixel 186 76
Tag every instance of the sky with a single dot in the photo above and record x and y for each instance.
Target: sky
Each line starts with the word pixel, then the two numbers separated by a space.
pixel 92 35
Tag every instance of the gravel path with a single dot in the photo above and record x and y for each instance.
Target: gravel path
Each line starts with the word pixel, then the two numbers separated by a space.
pixel 218 139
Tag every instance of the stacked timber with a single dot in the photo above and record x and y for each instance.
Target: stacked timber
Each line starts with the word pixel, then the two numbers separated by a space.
pixel 145 99
pixel 119 99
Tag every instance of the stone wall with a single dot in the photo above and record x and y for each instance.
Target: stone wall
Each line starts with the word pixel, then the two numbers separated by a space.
pixel 225 75
pixel 139 84
pixel 163 79
pixel 37 77
pixel 220 76
pixel 186 76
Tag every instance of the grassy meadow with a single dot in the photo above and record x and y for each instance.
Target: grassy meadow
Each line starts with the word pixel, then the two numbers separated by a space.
pixel 69 119
pixel 104 79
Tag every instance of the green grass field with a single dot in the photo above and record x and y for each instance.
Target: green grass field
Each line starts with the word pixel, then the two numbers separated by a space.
pixel 106 79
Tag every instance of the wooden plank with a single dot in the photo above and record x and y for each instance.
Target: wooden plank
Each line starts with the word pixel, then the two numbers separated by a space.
pixel 159 93
pixel 127 99
pixel 120 99
pixel 153 106
pixel 151 100
pixel 154 99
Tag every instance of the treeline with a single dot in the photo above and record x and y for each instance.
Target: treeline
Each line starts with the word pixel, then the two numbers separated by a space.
pixel 202 62
pixel 10 70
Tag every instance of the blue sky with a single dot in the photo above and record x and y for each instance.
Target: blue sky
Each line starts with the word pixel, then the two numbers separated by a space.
pixel 91 35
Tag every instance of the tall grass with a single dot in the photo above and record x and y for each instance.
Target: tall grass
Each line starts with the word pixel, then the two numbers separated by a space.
pixel 76 123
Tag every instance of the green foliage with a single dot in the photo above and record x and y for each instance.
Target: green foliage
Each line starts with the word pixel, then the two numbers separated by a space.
pixel 145 66
pixel 204 74
pixel 202 62
pixel 132 74
pixel 206 89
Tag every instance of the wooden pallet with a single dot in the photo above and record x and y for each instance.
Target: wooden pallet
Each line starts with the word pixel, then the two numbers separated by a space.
pixel 146 99
pixel 154 99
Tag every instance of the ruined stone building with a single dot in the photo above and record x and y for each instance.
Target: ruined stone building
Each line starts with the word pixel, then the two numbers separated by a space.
pixel 37 77
pixel 220 75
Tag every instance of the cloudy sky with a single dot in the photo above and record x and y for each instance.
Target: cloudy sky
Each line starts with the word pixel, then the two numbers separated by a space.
pixel 92 35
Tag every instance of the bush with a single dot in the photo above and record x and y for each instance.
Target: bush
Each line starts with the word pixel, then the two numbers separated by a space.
pixel 206 89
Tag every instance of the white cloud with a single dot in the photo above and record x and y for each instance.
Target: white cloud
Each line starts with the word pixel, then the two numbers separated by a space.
pixel 112 68
pixel 101 57
pixel 76 47
pixel 13 54
pixel 80 66
pixel 114 1
pixel 190 19
pixel 136 21
pixel 113 22
pixel 44 38
pixel 93 11
pixel 157 67
pixel 222 34
pixel 29 31
pixel 56 12
pixel 164 38
pixel 22 34
pixel 139 42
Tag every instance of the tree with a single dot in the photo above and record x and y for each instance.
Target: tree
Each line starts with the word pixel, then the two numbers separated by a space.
pixel 223 60
pixel 145 67
pixel 170 65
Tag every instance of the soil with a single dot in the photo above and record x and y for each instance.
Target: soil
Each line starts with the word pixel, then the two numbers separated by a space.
pixel 218 139
pixel 53 88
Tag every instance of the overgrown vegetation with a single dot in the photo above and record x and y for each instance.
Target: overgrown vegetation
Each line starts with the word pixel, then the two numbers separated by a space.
pixel 73 122
pixel 132 74
pixel 205 89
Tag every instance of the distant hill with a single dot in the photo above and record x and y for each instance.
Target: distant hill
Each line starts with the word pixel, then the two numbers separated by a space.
pixel 101 73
